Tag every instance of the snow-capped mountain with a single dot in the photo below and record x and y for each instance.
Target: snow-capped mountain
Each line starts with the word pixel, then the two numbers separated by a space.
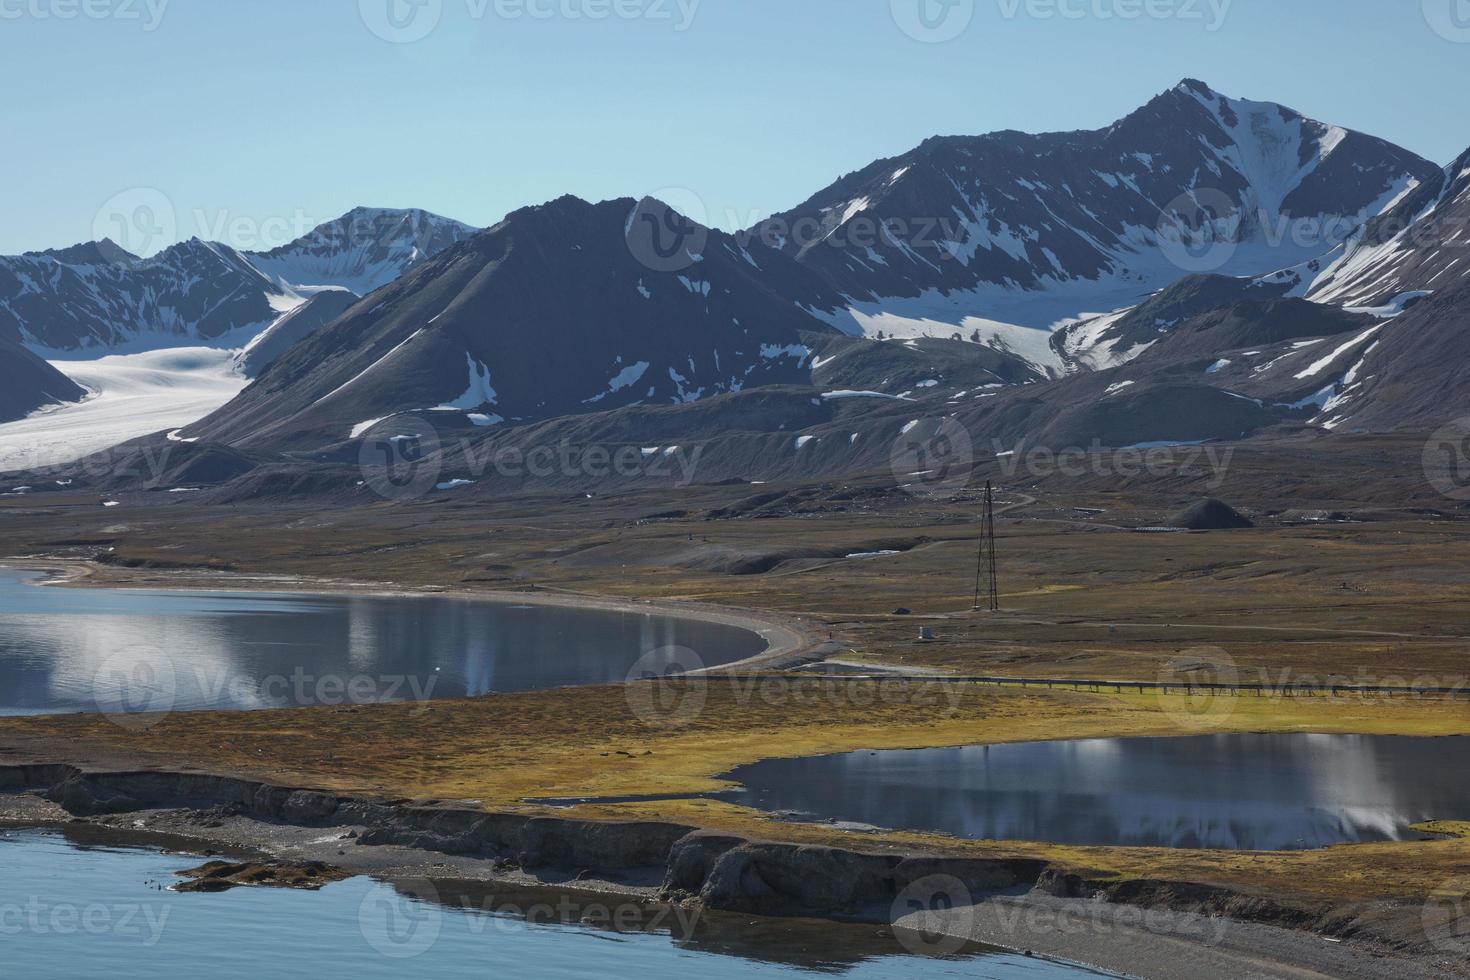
pixel 28 383
pixel 1417 247
pixel 987 235
pixel 99 299
pixel 548 313
pixel 361 251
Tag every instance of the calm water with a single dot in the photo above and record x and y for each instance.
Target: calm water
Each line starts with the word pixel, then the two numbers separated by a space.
pixel 70 911
pixel 1252 792
pixel 127 651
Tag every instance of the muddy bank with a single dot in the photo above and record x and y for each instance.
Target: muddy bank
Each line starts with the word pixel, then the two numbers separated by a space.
pixel 1138 927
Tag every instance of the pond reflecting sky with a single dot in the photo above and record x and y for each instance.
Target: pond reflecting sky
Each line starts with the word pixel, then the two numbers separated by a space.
pixel 126 651
pixel 1250 792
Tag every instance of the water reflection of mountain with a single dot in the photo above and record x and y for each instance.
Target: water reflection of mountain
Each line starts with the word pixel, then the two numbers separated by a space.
pixel 67 649
pixel 1249 792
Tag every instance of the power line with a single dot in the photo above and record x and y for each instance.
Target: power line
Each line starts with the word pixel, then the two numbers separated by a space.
pixel 985 563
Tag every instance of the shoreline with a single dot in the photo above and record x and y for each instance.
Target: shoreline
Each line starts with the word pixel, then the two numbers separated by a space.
pixel 1025 907
pixel 1005 920
pixel 788 638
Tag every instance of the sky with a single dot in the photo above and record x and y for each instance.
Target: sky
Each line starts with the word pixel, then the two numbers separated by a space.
pixel 250 121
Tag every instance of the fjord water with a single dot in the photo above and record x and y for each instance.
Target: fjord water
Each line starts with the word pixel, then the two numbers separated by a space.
pixel 126 650
pixel 71 911
pixel 1244 792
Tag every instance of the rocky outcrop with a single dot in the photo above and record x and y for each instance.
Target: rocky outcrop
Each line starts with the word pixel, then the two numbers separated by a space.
pixel 737 875
pixel 220 876
pixel 724 872
pixel 529 841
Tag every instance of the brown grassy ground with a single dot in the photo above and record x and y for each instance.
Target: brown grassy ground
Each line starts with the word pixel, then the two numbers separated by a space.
pixel 1373 602
pixel 596 741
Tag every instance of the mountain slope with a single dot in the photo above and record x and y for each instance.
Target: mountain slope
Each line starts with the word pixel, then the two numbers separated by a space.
pixel 292 328
pixel 1101 342
pixel 1411 375
pixel 986 233
pixel 28 383
pixel 548 313
pixel 1417 247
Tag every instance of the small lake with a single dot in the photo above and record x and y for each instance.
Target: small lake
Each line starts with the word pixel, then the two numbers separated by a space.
pixel 125 651
pixel 71 909
pixel 1244 792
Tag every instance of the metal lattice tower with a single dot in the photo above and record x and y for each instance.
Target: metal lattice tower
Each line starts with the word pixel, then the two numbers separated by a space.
pixel 985 565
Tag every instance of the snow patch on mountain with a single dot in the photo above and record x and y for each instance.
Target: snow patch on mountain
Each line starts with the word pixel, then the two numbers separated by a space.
pixel 478 394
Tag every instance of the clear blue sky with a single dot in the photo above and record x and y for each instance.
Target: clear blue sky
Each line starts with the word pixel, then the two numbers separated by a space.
pixel 253 116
